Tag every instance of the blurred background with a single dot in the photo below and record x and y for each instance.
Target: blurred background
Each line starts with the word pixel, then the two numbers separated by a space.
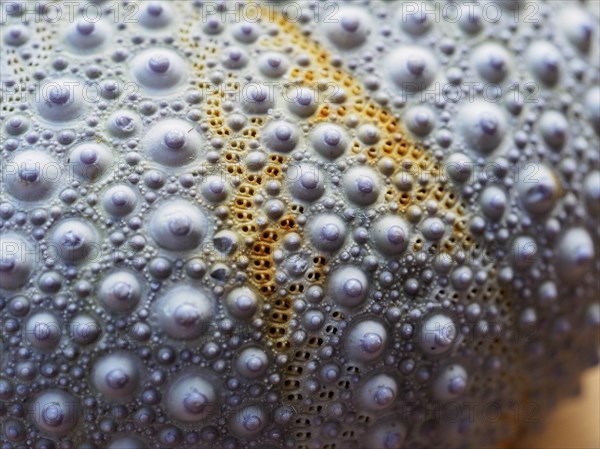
pixel 575 424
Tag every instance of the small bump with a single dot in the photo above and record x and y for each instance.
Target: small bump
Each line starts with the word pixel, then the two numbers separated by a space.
pixel 274 209
pixel 110 89
pixel 313 319
pixel 14 431
pixel 19 306
pixel 212 25
pixel 329 373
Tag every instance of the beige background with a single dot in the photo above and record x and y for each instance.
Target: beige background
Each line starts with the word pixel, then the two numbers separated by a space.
pixel 575 424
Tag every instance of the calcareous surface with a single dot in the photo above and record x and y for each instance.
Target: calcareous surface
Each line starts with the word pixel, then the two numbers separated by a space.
pixel 311 225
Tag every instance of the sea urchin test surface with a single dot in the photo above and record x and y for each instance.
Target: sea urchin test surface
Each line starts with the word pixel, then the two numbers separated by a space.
pixel 295 224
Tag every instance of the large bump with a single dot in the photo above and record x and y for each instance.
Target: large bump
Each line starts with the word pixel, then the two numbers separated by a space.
pixel 61 100
pixel 184 312
pixel 32 175
pixel 117 375
pixel 173 142
pixel 191 398
pixel 178 225
pixel 17 257
pixel 55 412
pixel 411 68
pixel 348 286
pixel 75 240
pixel 483 126
pixel 159 70
pixel 574 254
pixel 391 235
